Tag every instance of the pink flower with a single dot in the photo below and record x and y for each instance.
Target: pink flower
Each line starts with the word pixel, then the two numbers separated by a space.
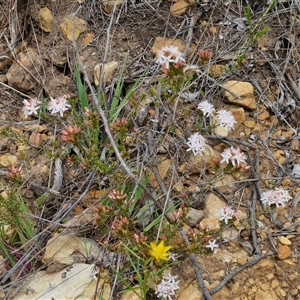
pixel 234 156
pixel 30 107
pixel 226 213
pixel 70 133
pixel 59 104
pixel 278 197
pixel 169 54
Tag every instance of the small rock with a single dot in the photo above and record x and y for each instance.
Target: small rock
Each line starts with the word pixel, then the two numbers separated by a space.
pixel 3 78
pixel 274 283
pixel 194 216
pixel 242 89
pixel 20 78
pixel 263 115
pixel 250 124
pixel 222 131
pixel 108 5
pixel 179 8
pixel 284 252
pixel 210 225
pixel 192 292
pixel 108 71
pixel 163 168
pixel 7 160
pixel 36 139
pixel 73 26
pixel 46 19
pixel 212 206
pixel 294 144
pixel 284 241
pixel 239 116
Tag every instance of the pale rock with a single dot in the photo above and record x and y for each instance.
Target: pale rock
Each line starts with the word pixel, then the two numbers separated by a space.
pixel 221 130
pixel 194 216
pixel 284 252
pixel 7 160
pixel 242 89
pixel 210 225
pixel 108 5
pixel 179 8
pixel 20 73
pixel 74 282
pixel 192 292
pixel 265 286
pixel 73 27
pixel 198 163
pixel 108 71
pixel 163 168
pixel 284 241
pixel 226 184
pixel 232 256
pixel 3 78
pixel 212 206
pixel 263 115
pixel 249 123
pixel 275 283
pixel 265 295
pixel 65 249
pixel 161 42
pixel 239 116
pixel 133 294
pixel 45 19
pixel 229 234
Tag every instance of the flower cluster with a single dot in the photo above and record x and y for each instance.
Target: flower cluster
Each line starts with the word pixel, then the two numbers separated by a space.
pixel 204 56
pixel 167 287
pixel 55 105
pixel 58 105
pixel 196 143
pixel 30 107
pixel 159 251
pixel 169 54
pixel 234 156
pixel 70 134
pixel 14 173
pixel 226 213
pixel 276 197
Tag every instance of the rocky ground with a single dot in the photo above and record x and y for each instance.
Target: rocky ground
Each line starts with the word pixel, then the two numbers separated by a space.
pixel 253 72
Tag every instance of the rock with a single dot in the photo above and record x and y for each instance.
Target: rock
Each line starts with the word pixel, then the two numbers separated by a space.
pixel 222 131
pixel 20 74
pixel 229 234
pixel 194 216
pixel 242 89
pixel 36 139
pixel 73 26
pixel 284 241
pixel 45 19
pixel 192 292
pixel 210 225
pixel 3 78
pixel 65 249
pixel 249 123
pixel 179 8
pixel 161 42
pixel 163 168
pixel 108 71
pixel 7 160
pixel 108 5
pixel 59 85
pixel 239 116
pixel 132 295
pixel 263 115
pixel 284 252
pixel 212 206
pixel 74 282
pixel 197 163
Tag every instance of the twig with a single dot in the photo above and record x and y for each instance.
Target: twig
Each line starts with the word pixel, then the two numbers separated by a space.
pixel 189 37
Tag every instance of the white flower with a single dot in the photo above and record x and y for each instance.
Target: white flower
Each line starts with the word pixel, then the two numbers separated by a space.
pixel 278 197
pixel 30 107
pixel 235 156
pixel 169 54
pixel 238 157
pixel 207 108
pixel 212 245
pixel 226 213
pixel 196 143
pixel 226 155
pixel 225 118
pixel 59 104
pixel 167 287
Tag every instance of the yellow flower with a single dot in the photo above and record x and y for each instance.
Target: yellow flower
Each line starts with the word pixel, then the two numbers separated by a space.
pixel 160 251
